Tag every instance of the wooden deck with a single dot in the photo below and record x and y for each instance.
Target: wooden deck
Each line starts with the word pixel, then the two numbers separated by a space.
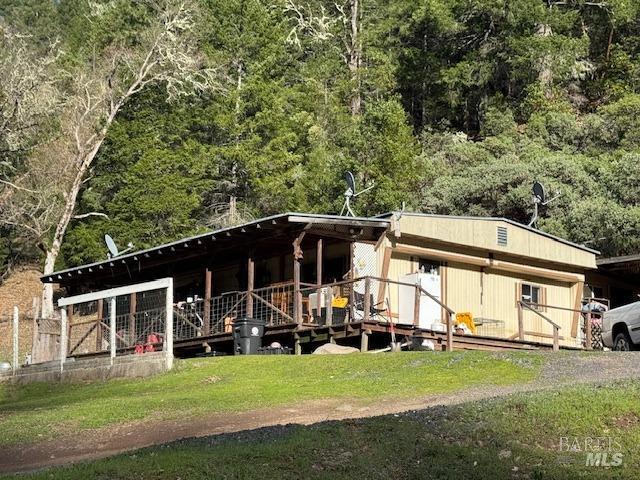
pixel 366 335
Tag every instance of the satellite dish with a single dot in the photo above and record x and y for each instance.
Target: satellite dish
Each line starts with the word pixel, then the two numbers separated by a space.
pixel 113 249
pixel 351 181
pixel 539 198
pixel 111 245
pixel 351 193
pixel 539 193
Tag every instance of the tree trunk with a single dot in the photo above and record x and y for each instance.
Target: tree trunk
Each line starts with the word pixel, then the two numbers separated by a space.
pixel 355 57
pixel 238 88
pixel 47 288
pixel 61 228
pixel 545 72
pixel 67 214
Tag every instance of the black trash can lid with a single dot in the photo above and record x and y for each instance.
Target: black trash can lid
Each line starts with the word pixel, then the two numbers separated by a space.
pixel 246 320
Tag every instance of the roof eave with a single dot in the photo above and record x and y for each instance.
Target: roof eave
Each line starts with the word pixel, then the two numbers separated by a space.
pixel 288 217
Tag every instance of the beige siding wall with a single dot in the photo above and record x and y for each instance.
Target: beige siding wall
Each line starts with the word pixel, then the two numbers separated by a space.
pixel 464 288
pixel 482 233
pixel 500 294
pixel 491 294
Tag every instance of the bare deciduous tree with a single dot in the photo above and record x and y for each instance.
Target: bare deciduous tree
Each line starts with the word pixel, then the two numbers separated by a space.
pixel 318 26
pixel 28 94
pixel 43 201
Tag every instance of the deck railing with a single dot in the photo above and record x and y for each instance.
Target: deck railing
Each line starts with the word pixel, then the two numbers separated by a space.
pixel 343 302
pixel 336 303
pixel 573 339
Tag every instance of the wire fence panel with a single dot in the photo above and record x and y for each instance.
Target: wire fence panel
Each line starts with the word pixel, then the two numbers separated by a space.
pixel 275 304
pixel 139 324
pixel 25 338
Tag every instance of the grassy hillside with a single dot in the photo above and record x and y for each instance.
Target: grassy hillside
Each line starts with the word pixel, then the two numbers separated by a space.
pixel 517 437
pixel 200 386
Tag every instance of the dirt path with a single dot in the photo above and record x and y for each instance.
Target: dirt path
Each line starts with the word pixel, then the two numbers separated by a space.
pixel 560 371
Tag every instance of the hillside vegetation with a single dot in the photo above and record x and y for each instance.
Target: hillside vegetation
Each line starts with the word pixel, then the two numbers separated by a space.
pixel 452 106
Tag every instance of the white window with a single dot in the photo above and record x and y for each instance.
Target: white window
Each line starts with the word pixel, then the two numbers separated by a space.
pixel 535 295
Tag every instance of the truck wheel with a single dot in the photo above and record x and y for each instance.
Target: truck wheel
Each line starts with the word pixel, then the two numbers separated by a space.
pixel 622 343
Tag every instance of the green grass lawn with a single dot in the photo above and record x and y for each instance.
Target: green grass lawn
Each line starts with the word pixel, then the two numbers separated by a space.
pixel 516 437
pixel 198 386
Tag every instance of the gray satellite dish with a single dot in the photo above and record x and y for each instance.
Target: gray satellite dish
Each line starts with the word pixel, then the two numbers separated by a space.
pixel 351 193
pixel 539 192
pixel 351 181
pixel 539 198
pixel 111 245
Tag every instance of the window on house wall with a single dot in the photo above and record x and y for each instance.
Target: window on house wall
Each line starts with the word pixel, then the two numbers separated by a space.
pixel 428 266
pixel 532 294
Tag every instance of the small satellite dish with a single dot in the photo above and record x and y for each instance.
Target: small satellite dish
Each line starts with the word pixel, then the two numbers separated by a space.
pixel 351 181
pixel 113 249
pixel 111 245
pixel 351 193
pixel 539 193
pixel 540 198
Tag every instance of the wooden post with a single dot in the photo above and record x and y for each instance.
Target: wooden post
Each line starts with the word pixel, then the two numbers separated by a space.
pixel 100 314
pixel 587 328
pixel 384 273
pixel 34 342
pixel 319 276
pixel 416 306
pixel 112 329
pixel 69 322
pixel 167 347
pixel 297 294
pixel 449 332
pixel 16 346
pixel 556 339
pixel 206 312
pixel 329 306
pixel 133 301
pixel 364 341
pixel 520 322
pixel 352 276
pixel 251 270
pixel 367 299
pixel 297 347
pixel 63 337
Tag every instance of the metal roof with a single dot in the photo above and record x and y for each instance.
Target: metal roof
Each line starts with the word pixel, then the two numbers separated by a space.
pixel 618 261
pixel 495 219
pixel 283 218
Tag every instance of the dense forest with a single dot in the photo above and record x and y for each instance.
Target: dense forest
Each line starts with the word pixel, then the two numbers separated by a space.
pixel 450 106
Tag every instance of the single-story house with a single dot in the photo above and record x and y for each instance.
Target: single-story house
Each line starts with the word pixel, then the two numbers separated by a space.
pixel 305 270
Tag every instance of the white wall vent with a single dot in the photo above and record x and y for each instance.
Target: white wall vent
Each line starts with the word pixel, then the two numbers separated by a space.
pixel 502 237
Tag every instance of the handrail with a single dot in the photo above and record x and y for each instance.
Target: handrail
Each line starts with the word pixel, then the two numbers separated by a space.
pixel 451 312
pixel 529 307
pixel 556 327
pixel 554 307
pixel 385 280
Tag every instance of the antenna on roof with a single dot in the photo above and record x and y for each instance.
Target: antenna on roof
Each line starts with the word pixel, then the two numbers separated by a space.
pixel 350 193
pixel 540 198
pixel 113 248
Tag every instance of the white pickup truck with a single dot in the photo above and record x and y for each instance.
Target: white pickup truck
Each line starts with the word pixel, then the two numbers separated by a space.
pixel 621 327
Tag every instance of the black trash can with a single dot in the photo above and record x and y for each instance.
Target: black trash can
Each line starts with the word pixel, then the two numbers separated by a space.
pixel 247 336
